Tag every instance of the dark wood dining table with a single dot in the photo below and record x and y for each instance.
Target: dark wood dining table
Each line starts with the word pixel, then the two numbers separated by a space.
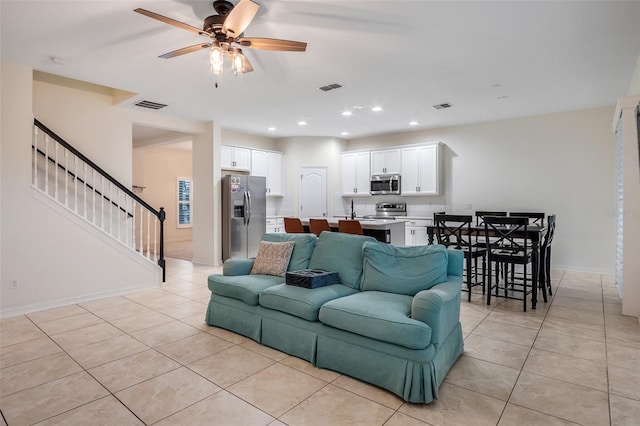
pixel 535 233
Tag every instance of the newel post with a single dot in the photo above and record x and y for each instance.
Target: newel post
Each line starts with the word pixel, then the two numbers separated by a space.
pixel 161 216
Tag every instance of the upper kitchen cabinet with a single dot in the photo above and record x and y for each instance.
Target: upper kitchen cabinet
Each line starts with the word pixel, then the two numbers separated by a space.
pixel 421 170
pixel 235 158
pixel 269 165
pixel 385 161
pixel 355 173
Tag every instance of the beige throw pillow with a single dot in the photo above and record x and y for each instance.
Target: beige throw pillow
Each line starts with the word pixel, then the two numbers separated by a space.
pixel 273 258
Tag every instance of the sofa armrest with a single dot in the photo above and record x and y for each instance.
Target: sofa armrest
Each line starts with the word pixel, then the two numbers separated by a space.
pixel 439 307
pixel 237 266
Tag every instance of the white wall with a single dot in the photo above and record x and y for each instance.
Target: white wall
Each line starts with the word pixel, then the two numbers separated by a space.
pixel 207 232
pixel 56 258
pixel 557 163
pixel 634 87
pixel 310 152
pixel 246 140
pixel 160 169
pixel 626 112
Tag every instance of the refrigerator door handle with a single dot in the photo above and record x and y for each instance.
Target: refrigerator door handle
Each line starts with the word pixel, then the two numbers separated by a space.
pixel 248 215
pixel 246 206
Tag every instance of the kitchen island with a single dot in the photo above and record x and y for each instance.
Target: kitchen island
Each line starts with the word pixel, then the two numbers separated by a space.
pixel 385 230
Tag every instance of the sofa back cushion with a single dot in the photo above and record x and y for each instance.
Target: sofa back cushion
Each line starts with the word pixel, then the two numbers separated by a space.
pixel 341 253
pixel 402 270
pixel 302 250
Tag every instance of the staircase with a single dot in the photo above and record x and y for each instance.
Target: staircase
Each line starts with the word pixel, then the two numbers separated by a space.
pixel 71 180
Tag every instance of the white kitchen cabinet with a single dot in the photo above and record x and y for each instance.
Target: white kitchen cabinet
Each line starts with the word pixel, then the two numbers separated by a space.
pixel 269 165
pixel 421 170
pixel 385 161
pixel 275 224
pixel 235 158
pixel 415 232
pixel 355 173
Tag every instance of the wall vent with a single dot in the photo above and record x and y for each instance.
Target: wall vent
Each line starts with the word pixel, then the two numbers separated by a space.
pixel 150 105
pixel 330 87
pixel 443 106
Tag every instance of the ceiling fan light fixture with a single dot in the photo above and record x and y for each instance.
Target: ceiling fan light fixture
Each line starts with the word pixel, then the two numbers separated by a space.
pixel 216 57
pixel 237 60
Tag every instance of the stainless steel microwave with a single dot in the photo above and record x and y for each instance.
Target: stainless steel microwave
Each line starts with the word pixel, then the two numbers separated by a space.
pixel 385 184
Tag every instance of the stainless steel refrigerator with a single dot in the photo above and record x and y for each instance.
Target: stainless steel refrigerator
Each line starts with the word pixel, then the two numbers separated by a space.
pixel 244 215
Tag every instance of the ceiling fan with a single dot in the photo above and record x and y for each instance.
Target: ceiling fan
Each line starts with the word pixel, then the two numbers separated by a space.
pixel 226 31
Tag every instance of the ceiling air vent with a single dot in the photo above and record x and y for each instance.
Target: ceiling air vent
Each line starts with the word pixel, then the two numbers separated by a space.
pixel 443 106
pixel 330 87
pixel 150 105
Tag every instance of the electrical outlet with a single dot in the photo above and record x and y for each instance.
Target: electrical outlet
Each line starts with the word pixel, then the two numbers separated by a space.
pixel 468 206
pixel 14 283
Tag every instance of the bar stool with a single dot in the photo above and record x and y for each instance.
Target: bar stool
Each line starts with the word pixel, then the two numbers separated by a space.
pixel 318 225
pixel 293 225
pixel 350 227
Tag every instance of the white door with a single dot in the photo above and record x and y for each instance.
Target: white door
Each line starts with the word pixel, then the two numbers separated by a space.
pixel 313 192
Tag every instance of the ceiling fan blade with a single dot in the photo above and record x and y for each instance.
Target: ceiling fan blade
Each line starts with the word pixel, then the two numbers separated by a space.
pixel 273 44
pixel 185 50
pixel 239 18
pixel 173 22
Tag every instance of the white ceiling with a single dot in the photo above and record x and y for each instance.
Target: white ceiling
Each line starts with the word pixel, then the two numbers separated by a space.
pixel 491 60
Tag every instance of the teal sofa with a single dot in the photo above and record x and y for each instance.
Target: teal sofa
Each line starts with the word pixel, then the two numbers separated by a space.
pixel 393 321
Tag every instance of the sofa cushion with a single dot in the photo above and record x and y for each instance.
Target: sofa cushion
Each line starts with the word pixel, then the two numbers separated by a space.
pixel 246 288
pixel 402 270
pixel 301 254
pixel 272 258
pixel 378 315
pixel 342 253
pixel 302 302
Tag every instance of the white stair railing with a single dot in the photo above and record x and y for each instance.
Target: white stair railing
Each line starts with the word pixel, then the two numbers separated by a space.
pixel 73 181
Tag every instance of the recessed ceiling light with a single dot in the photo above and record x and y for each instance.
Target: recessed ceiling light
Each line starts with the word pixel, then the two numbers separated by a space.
pixel 345 133
pixel 302 123
pixel 271 129
pixel 360 106
pixel 376 109
pixel 413 123
pixel 347 113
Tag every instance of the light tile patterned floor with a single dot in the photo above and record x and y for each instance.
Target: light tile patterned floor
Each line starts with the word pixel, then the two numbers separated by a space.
pixel 148 358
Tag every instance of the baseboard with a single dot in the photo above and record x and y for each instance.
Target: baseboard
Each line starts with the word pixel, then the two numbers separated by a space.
pixel 20 310
pixel 570 268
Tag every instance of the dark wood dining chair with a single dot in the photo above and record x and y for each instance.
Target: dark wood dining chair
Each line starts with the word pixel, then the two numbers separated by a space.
pixel 534 218
pixel 293 225
pixel 510 248
pixel 454 232
pixel 318 225
pixel 480 214
pixel 350 227
pixel 545 255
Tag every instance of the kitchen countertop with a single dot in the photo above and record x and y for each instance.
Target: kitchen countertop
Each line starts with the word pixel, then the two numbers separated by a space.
pixel 366 223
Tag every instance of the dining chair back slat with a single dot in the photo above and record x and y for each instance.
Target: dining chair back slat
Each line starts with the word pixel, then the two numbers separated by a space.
pixel 534 218
pixel 480 214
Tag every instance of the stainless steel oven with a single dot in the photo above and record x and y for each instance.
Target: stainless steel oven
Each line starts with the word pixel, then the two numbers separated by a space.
pixel 385 184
